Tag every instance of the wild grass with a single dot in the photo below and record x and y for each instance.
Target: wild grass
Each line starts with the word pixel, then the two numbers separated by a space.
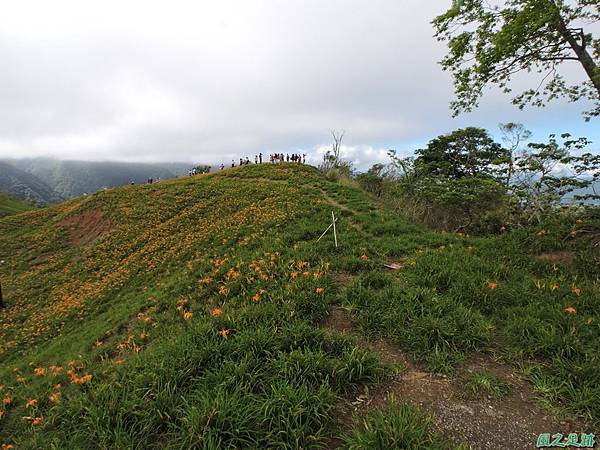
pixel 10 205
pixel 190 320
pixel 396 425
pixel 484 383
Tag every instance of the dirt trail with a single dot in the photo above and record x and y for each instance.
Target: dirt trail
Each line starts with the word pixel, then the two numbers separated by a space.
pixel 485 422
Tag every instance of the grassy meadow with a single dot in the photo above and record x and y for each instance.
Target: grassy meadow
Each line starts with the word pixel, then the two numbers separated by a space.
pixel 10 205
pixel 184 314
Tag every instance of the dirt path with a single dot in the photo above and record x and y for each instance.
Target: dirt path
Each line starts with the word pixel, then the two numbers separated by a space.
pixel 484 422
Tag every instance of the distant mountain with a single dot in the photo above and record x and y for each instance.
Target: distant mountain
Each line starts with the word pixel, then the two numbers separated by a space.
pixel 70 179
pixel 26 186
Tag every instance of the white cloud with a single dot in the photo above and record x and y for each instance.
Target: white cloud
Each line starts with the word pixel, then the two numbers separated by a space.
pixel 211 81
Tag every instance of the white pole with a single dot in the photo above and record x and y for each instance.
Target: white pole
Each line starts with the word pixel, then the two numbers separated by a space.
pixel 324 232
pixel 334 233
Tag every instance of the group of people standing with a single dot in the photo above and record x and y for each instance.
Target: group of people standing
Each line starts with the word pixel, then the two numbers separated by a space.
pixel 294 157
pixel 258 159
pixel 273 158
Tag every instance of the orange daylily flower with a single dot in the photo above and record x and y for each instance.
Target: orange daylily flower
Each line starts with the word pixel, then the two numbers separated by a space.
pixel 7 401
pixel 554 286
pixel 81 380
pixel 54 397
pixel 541 232
pixel 364 257
pixel 224 290
pixel 294 275
pixel 224 332
pixel 319 290
pixel 39 371
pixel 570 310
pixel 576 291
pixel 20 379
pixel 37 421
pixel 492 285
pixel 31 403
pixel 187 315
pixel 216 312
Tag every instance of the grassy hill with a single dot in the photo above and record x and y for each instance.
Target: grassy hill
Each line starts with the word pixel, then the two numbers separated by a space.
pixel 10 205
pixel 203 313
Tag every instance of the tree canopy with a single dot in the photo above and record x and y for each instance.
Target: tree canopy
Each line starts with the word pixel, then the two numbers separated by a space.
pixel 491 41
pixel 465 152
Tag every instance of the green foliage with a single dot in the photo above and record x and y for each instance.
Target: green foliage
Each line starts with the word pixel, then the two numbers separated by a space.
pixel 10 205
pixel 133 307
pixel 193 308
pixel 468 152
pixel 478 383
pixel 490 44
pixel 397 425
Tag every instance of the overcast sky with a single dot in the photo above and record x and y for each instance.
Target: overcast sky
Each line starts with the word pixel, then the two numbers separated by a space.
pixel 208 81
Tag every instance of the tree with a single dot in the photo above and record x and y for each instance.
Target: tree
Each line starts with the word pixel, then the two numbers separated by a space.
pixel 372 180
pixel 489 44
pixel 464 152
pixel 332 158
pixel 513 135
pixel 548 172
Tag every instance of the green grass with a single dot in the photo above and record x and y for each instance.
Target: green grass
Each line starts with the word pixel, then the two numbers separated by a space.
pixel 484 383
pixel 396 425
pixel 10 205
pixel 126 322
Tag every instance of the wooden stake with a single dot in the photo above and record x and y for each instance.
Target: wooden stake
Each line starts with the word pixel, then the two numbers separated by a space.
pixel 330 225
pixel 334 233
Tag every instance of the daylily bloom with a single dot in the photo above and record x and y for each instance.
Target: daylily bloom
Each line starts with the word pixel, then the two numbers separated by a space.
pixel 224 332
pixel 31 403
pixel 319 290
pixel 570 310
pixel 216 312
pixel 187 315
pixel 492 285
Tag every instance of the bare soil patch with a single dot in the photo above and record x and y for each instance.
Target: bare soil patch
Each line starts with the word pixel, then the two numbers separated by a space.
pixel 486 422
pixel 86 226
pixel 559 256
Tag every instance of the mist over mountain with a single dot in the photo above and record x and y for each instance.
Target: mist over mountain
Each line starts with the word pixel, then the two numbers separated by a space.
pixel 25 186
pixel 47 180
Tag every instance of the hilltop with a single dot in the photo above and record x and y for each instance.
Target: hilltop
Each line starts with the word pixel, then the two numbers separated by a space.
pixel 202 312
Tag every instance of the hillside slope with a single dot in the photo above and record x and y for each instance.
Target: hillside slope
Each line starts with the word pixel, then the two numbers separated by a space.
pixel 26 186
pixel 194 313
pixel 10 205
